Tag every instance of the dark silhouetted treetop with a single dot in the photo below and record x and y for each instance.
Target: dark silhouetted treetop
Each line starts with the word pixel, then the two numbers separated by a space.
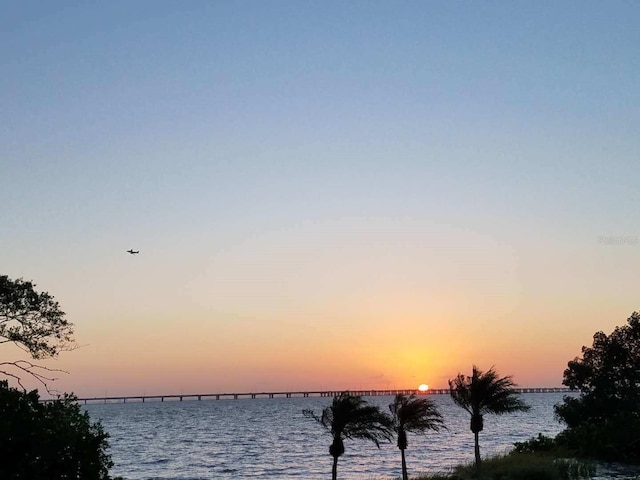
pixel 604 421
pixel 413 414
pixel 32 320
pixel 54 440
pixel 483 393
pixel 352 417
pixel 349 416
pixel 607 375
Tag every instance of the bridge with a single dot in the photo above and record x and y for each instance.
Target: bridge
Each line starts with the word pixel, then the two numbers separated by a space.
pixel 283 394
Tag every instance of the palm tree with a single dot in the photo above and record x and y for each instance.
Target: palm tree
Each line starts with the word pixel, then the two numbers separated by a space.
pixel 485 393
pixel 413 414
pixel 349 416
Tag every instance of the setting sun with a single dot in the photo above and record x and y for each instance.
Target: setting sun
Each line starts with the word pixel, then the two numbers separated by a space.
pixel 424 387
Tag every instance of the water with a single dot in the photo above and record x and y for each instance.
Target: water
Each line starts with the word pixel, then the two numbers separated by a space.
pixel 270 439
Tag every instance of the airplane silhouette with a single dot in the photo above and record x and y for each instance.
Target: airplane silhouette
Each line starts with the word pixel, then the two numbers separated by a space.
pixel 133 252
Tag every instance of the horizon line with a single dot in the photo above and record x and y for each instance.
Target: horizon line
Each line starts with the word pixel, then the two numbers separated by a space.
pixel 291 394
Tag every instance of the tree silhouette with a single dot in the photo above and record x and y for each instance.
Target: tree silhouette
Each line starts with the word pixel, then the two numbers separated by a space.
pixel 34 323
pixel 55 439
pixel 413 414
pixel 52 440
pixel 349 416
pixel 483 393
pixel 604 421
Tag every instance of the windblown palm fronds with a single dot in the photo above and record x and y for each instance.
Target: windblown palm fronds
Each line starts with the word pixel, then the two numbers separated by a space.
pixel 351 417
pixel 483 393
pixel 416 415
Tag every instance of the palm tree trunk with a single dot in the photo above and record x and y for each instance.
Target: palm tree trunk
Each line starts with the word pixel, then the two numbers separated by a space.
pixel 334 469
pixel 405 476
pixel 477 450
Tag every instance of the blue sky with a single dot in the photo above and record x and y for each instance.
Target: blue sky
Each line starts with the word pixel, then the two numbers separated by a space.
pixel 285 160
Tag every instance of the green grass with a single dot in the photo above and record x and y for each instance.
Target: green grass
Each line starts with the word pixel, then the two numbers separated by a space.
pixel 520 466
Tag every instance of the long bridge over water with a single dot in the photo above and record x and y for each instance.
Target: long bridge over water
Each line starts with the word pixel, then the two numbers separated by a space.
pixel 284 394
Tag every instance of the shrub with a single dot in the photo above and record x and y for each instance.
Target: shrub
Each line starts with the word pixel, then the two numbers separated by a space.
pixel 515 467
pixel 519 466
pixel 613 439
pixel 570 468
pixel 539 444
pixel 604 421
pixel 53 440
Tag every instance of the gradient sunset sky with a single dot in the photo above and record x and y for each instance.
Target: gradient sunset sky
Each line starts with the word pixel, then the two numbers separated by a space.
pixel 325 194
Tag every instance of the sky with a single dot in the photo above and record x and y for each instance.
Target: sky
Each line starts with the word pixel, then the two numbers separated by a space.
pixel 325 195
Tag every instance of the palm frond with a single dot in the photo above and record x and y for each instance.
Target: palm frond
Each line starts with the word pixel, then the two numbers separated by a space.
pixel 414 414
pixel 460 391
pixel 350 416
pixel 486 392
pixel 369 423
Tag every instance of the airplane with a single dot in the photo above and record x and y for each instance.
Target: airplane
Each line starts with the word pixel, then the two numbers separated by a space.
pixel 133 252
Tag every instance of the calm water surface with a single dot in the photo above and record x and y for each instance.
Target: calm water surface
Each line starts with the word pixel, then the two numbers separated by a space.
pixel 269 438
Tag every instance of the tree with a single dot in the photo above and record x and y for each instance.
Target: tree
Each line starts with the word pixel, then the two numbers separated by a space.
pixel 413 414
pixel 34 322
pixel 38 440
pixel 604 421
pixel 483 393
pixel 349 416
pixel 52 440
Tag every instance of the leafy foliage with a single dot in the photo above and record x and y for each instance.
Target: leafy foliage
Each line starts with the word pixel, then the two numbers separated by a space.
pixel 604 421
pixel 32 320
pixel 52 440
pixel 350 416
pixel 518 466
pixel 539 444
pixel 413 414
pixel 532 467
pixel 483 393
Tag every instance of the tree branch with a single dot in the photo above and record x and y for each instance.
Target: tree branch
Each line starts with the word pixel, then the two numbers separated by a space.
pixel 38 372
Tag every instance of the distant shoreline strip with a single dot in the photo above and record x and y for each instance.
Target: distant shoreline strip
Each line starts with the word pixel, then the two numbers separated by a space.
pixel 284 394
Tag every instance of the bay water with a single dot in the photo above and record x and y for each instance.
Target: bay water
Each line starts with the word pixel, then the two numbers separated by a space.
pixel 271 439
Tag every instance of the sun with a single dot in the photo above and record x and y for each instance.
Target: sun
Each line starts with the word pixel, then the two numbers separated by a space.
pixel 424 387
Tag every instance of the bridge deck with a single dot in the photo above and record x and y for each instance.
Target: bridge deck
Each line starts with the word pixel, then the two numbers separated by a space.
pixel 283 394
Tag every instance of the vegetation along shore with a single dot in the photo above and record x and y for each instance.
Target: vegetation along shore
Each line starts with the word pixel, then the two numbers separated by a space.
pixel 58 440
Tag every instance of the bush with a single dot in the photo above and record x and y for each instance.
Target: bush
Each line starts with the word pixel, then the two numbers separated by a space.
pixel 613 439
pixel 570 468
pixel 604 421
pixel 53 440
pixel 519 466
pixel 515 467
pixel 539 444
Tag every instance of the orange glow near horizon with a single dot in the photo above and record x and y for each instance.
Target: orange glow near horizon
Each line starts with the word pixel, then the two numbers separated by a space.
pixel 373 351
